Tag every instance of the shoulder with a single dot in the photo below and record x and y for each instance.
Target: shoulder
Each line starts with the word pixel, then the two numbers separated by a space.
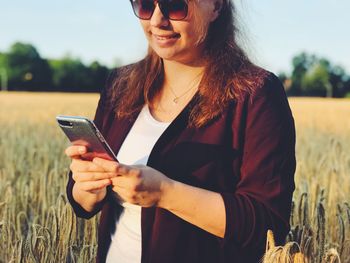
pixel 124 71
pixel 117 73
pixel 253 83
pixel 263 86
pixel 270 87
pixel 115 81
pixel 265 98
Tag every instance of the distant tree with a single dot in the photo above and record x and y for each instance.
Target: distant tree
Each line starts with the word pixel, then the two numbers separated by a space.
pixel 70 75
pixel 325 79
pixel 26 69
pixel 3 62
pixel 316 81
pixel 314 76
pixel 301 63
pixel 3 71
pixel 338 79
pixel 98 75
pixel 346 89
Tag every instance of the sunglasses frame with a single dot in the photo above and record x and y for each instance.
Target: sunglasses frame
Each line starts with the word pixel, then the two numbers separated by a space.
pixel 162 8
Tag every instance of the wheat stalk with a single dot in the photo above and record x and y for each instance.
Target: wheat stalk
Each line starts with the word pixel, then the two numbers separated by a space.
pixel 34 212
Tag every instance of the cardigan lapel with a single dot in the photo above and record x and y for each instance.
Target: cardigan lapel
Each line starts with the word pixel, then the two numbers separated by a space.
pixel 176 127
pixel 167 139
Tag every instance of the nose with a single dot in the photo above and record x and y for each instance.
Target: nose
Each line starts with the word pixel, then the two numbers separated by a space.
pixel 158 19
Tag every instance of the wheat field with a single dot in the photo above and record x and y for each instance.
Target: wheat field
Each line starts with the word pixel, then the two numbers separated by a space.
pixel 37 223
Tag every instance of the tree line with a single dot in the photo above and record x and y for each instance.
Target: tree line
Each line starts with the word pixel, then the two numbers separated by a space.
pixel 23 69
pixel 316 76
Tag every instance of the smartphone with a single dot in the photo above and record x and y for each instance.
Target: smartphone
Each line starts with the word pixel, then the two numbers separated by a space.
pixel 83 131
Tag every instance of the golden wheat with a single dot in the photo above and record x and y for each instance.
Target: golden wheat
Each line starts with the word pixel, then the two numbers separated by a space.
pixel 37 223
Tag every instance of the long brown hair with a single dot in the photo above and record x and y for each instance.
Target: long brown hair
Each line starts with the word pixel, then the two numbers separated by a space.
pixel 228 73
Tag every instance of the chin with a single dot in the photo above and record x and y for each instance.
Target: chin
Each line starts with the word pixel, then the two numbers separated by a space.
pixel 176 55
pixel 165 54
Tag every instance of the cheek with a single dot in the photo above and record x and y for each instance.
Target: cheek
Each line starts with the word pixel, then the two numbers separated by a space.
pixel 145 26
pixel 198 23
pixel 199 31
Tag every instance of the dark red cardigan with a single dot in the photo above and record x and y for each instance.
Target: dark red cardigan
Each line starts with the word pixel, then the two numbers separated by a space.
pixel 247 155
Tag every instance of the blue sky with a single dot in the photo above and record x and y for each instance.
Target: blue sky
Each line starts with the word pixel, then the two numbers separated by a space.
pixel 107 31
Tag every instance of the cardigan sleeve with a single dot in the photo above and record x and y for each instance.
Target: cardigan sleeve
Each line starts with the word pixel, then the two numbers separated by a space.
pixel 263 196
pixel 100 113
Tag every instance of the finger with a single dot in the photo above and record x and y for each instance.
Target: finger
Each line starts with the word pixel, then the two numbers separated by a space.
pixel 94 185
pixel 92 176
pixel 124 182
pixel 129 171
pixel 120 169
pixel 75 150
pixel 123 170
pixel 107 165
pixel 78 165
pixel 135 172
pixel 125 194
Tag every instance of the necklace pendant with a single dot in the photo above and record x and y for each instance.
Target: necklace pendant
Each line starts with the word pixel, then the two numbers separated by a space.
pixel 176 100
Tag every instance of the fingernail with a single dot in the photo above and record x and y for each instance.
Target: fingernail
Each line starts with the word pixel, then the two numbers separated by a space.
pixel 81 149
pixel 96 160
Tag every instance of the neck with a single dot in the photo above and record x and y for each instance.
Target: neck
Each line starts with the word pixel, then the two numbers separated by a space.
pixel 179 75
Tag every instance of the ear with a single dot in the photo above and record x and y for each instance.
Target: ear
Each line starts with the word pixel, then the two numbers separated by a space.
pixel 217 9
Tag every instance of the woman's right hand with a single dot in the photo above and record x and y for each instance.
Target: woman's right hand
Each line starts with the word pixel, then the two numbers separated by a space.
pixel 90 179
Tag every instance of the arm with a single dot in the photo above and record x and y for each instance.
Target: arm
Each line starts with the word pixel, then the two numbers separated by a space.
pixel 193 204
pixel 87 204
pixel 262 198
pixel 88 184
pixel 145 186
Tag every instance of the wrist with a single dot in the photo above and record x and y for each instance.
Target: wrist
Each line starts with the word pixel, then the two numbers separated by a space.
pixel 167 189
pixel 88 200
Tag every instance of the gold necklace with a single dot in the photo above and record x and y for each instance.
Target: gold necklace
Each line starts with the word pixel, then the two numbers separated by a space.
pixel 177 98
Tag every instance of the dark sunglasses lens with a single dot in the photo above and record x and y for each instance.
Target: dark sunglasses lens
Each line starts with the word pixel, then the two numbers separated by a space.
pixel 176 9
pixel 143 9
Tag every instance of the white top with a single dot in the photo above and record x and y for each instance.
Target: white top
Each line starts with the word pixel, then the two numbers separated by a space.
pixel 136 148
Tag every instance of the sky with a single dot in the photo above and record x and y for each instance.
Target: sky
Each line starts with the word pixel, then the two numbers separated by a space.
pixel 107 31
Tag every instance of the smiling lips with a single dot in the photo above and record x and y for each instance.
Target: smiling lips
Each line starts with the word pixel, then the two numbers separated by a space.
pixel 166 37
pixel 165 41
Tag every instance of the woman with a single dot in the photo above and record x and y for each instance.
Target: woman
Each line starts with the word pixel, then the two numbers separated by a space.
pixel 205 142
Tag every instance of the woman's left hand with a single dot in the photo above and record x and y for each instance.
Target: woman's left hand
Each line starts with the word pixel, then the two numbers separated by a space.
pixel 136 184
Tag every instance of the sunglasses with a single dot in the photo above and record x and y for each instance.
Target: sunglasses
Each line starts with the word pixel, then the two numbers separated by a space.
pixel 171 9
